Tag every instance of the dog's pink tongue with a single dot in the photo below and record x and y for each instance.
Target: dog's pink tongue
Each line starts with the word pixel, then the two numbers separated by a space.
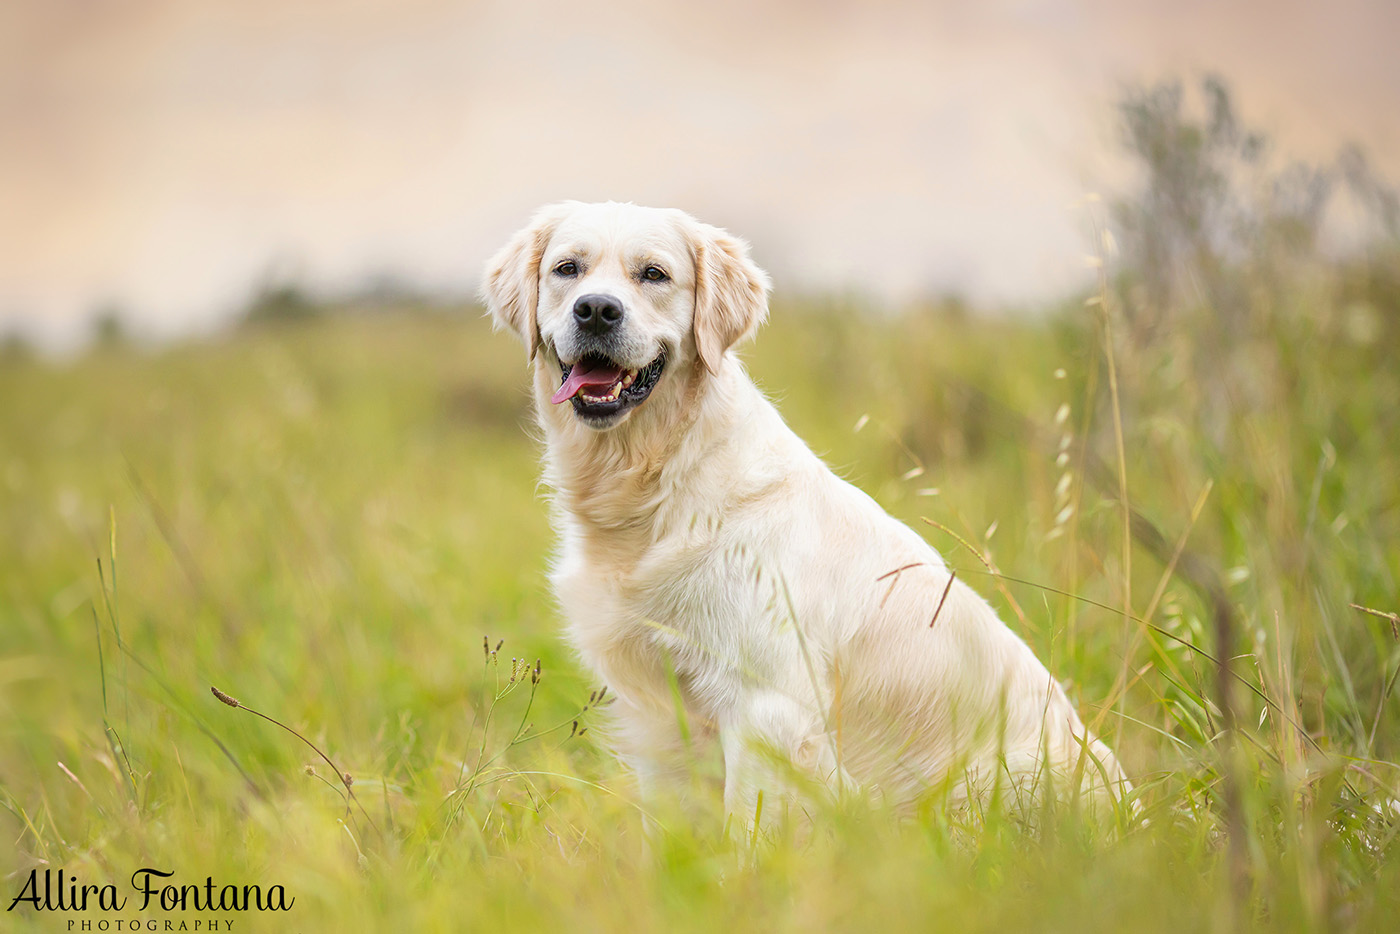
pixel 586 376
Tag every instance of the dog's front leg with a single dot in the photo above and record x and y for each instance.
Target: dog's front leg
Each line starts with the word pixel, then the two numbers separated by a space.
pixel 651 743
pixel 777 754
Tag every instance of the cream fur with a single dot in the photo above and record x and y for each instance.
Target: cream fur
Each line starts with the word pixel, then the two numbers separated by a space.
pixel 701 538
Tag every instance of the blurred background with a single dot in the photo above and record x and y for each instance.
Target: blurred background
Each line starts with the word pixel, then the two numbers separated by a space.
pixel 1101 298
pixel 166 162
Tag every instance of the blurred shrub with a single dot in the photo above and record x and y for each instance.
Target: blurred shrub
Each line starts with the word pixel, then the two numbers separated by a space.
pixel 280 301
pixel 15 348
pixel 1221 232
pixel 109 326
pixel 1239 267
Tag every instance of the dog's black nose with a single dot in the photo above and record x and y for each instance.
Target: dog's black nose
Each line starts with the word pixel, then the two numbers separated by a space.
pixel 597 314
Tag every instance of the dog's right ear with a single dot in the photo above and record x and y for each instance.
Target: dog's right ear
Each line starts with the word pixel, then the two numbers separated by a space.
pixel 512 283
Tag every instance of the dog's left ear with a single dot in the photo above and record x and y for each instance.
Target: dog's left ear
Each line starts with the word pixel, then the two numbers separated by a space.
pixel 731 294
pixel 512 284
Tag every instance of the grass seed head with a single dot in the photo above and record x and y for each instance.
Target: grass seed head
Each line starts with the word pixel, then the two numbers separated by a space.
pixel 231 701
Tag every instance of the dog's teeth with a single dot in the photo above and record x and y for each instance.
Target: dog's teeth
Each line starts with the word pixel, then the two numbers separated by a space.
pixel 627 380
pixel 611 395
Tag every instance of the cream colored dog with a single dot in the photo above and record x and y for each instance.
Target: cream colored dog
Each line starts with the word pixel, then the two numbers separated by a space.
pixel 708 555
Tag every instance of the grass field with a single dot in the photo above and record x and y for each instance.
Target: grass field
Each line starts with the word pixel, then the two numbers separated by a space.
pixel 325 520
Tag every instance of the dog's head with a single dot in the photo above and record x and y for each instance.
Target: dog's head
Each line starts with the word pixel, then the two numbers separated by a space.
pixel 618 302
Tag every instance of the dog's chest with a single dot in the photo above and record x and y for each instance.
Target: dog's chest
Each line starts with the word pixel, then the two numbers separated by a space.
pixel 696 606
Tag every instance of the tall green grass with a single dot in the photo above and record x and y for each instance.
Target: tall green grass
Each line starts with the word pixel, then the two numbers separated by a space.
pixel 336 522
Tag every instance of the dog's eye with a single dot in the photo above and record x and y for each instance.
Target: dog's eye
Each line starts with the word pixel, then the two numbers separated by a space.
pixel 566 268
pixel 654 274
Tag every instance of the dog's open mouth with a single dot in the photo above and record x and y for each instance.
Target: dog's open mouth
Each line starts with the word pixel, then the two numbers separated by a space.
pixel 601 389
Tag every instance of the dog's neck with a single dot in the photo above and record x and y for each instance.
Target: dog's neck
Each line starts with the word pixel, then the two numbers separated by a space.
pixel 621 487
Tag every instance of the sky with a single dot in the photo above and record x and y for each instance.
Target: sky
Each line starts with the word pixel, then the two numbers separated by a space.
pixel 165 157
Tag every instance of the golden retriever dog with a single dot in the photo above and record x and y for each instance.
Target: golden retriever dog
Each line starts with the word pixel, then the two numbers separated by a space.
pixel 719 578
